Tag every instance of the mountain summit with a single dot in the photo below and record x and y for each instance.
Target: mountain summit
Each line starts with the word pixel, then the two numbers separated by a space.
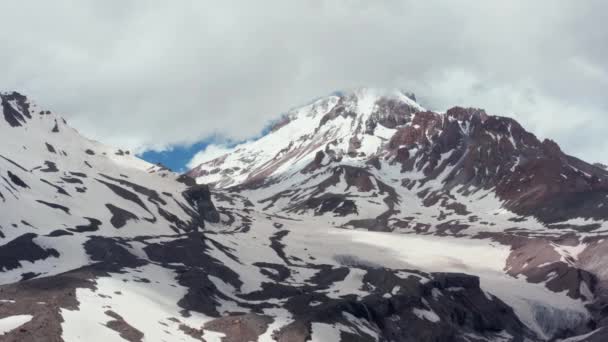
pixel 359 217
pixel 387 136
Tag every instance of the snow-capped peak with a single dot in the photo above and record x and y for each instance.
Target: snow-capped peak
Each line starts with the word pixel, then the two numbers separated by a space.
pixel 27 125
pixel 386 129
pixel 89 241
pixel 360 119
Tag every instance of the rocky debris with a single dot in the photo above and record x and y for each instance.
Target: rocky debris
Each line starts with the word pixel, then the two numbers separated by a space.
pixel 417 311
pixel 241 328
pixel 601 166
pixel 337 204
pixel 389 113
pixel 599 335
pixel 56 127
pixel 541 261
pixel 151 194
pixel 55 206
pixel 198 266
pixel 383 164
pixel 92 226
pixel 23 248
pixel 186 179
pixel 72 180
pixel 199 197
pixel 158 168
pixel 78 174
pixel 340 110
pixel 56 292
pixel 111 255
pixel 125 330
pixel 316 163
pixel 16 180
pixel 59 189
pixel 50 148
pixel 477 143
pixel 50 167
pixel 125 194
pixel 15 108
pixel 59 232
pixel 533 177
pixel 120 152
pixel 120 216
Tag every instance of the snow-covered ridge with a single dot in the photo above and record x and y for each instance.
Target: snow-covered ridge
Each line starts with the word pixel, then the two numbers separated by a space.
pixel 35 123
pixel 97 245
pixel 306 130
pixel 361 160
pixel 464 147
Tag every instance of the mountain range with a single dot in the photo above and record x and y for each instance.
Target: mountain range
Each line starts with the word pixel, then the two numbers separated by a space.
pixel 361 216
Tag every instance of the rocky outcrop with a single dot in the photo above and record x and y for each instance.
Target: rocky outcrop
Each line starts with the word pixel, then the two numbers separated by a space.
pixel 199 197
pixel 489 152
pixel 445 307
pixel 86 231
pixel 15 108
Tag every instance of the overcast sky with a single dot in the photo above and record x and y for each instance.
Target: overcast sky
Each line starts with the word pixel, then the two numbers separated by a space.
pixel 152 74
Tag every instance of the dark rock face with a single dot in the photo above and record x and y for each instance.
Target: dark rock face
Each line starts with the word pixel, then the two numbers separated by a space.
pixel 120 216
pixel 365 300
pixel 125 194
pixel 15 109
pixel 55 206
pixel 490 152
pixel 59 189
pixel 59 232
pixel 337 204
pixel 159 165
pixel 240 328
pixel 56 292
pixel 111 254
pixel 125 330
pixel 50 167
pixel 23 248
pixel 187 180
pixel 444 309
pixel 315 164
pixel 538 261
pixel 199 197
pixel 16 180
pixel 198 266
pixel 389 113
pixel 338 111
pixel 92 226
pixel 50 148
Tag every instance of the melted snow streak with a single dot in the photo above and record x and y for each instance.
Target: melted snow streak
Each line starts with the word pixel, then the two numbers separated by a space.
pixel 359 217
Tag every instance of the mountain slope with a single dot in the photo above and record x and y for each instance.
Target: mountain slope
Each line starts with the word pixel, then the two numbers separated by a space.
pixel 376 160
pixel 464 150
pixel 98 245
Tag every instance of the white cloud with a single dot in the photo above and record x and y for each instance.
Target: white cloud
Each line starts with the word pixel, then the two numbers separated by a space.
pixel 209 153
pixel 156 73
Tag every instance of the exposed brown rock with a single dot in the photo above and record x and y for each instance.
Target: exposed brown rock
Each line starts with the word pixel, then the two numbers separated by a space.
pixel 242 328
pixel 125 330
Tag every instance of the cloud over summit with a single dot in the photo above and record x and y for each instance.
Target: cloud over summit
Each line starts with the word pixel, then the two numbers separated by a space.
pixel 152 74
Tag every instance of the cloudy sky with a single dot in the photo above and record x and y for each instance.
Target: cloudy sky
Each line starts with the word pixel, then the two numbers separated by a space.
pixel 152 75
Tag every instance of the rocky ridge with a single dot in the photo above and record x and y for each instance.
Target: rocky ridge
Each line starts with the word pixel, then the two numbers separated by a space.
pixel 91 238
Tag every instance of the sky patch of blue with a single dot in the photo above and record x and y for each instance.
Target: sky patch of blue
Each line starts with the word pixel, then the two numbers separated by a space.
pixel 177 157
